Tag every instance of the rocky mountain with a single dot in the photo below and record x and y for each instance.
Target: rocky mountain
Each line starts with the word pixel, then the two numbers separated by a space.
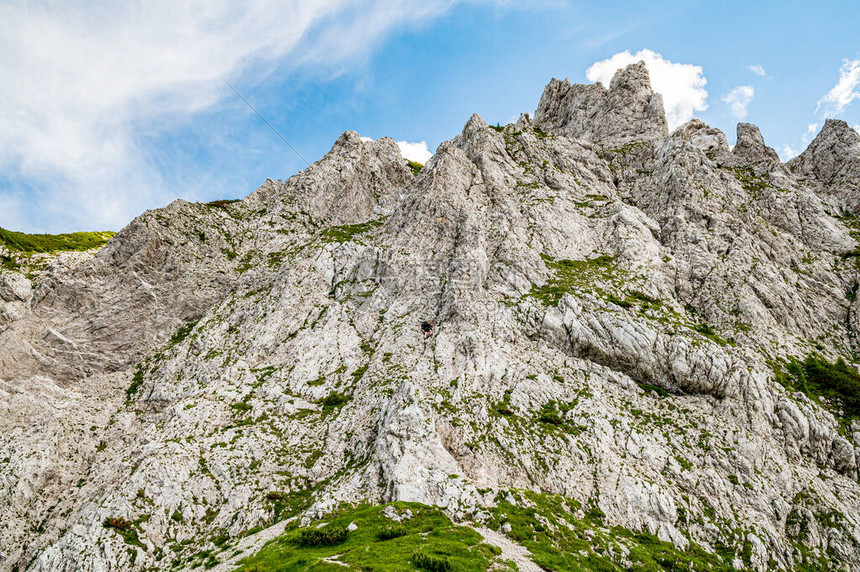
pixel 644 357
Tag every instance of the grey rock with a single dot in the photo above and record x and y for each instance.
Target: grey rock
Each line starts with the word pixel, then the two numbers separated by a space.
pixel 750 147
pixel 628 111
pixel 212 358
pixel 831 164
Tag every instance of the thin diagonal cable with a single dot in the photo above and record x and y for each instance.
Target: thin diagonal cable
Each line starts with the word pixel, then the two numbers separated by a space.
pixel 266 122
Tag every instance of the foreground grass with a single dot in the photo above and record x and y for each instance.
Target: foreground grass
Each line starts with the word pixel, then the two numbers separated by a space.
pixel 426 541
pixel 545 524
pixel 560 534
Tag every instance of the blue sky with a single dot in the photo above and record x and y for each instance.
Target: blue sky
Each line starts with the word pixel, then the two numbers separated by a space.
pixel 108 109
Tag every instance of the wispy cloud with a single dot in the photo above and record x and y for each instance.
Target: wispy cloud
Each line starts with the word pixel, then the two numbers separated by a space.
pixel 682 85
pixel 603 39
pixel 787 152
pixel 739 99
pixel 758 70
pixel 846 90
pixel 86 83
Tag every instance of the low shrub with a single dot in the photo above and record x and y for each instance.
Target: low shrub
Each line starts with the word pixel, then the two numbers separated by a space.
pixel 333 400
pixel 136 382
pixel 431 563
pixel 549 414
pixel 838 383
pixel 392 531
pixel 118 523
pixel 321 536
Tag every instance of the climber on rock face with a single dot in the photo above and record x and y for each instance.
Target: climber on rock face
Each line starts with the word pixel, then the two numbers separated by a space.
pixel 427 328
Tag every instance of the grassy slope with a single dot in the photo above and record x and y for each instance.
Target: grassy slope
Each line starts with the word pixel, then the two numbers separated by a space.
pixel 545 524
pixel 428 538
pixel 43 243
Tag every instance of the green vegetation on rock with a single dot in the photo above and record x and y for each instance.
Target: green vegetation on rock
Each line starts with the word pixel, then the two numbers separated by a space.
pixel 835 385
pixel 287 504
pixel 136 382
pixel 346 232
pixel 547 525
pixel 181 334
pixel 126 529
pixel 752 183
pixel 414 166
pixel 570 276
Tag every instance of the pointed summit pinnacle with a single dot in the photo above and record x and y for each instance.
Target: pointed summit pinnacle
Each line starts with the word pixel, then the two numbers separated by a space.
pixel 630 110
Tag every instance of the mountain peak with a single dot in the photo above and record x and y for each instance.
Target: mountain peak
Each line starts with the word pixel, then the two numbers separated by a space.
pixel 630 110
pixel 831 164
pixel 634 77
pixel 750 146
pixel 552 332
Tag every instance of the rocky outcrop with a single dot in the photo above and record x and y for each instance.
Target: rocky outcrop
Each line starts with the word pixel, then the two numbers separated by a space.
pixel 750 148
pixel 831 164
pixel 628 111
pixel 618 315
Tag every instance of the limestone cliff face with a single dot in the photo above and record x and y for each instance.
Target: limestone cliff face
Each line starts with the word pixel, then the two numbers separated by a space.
pixel 614 307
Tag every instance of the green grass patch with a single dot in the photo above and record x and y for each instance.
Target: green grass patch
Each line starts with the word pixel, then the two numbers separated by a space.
pixel 9 263
pixel 570 276
pixel 414 167
pixel 287 504
pixel 329 536
pixel 428 532
pixel 754 184
pixel 223 203
pixel 553 416
pixel 35 243
pixel 136 382
pixel 539 133
pixel 835 386
pixel 346 232
pixel 333 401
pixel 712 335
pixel 432 563
pixel 181 334
pixel 648 388
pixel 126 529
pixel 392 531
pixel 547 526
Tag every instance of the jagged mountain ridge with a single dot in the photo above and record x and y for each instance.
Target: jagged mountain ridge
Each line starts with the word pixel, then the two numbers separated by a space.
pixel 577 267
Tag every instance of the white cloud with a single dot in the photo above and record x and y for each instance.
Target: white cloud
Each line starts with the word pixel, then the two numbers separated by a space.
pixel 758 70
pixel 787 153
pixel 682 85
pixel 417 152
pixel 739 99
pixel 846 90
pixel 86 84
